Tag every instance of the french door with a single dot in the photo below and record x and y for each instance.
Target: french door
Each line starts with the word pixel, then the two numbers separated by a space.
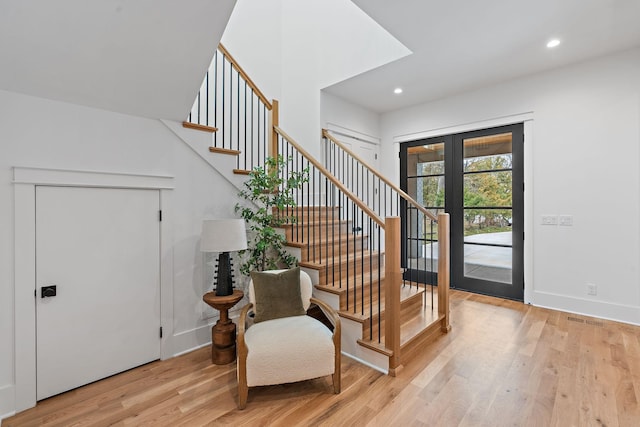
pixel 477 177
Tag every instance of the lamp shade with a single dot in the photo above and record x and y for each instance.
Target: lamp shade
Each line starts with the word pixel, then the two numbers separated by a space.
pixel 223 235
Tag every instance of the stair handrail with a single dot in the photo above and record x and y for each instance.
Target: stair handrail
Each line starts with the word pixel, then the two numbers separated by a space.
pixel 389 225
pixel 366 209
pixel 326 134
pixel 230 105
pixel 245 76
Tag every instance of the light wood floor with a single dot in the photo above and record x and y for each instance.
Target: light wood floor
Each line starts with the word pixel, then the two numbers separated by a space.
pixel 504 363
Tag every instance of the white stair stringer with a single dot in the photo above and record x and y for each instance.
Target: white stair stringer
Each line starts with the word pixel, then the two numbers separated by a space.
pixel 200 142
pixel 351 333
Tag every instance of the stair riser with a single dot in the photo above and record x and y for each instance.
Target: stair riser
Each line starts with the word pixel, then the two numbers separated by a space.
pixel 408 310
pixel 316 233
pixel 316 252
pixel 370 291
pixel 335 272
pixel 311 214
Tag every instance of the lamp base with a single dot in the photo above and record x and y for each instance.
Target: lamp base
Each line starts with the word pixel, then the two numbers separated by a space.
pixel 224 280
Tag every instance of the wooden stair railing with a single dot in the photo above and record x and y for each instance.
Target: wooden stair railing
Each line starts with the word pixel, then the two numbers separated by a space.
pixel 232 107
pixel 358 256
pixel 392 188
pixel 419 242
pixel 343 232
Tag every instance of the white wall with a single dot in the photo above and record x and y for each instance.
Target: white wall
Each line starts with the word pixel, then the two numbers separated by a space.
pixel 41 133
pixel 254 38
pixel 337 113
pixel 311 44
pixel 583 161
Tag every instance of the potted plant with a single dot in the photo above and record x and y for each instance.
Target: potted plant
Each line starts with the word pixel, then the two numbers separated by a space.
pixel 270 193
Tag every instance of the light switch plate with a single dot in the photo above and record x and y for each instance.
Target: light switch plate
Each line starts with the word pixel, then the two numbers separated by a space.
pixel 566 220
pixel 549 219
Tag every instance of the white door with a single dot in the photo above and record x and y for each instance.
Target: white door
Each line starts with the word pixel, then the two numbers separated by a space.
pixel 100 248
pixel 369 185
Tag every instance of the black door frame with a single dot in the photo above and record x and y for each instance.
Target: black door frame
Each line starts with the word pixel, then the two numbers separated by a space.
pixel 454 185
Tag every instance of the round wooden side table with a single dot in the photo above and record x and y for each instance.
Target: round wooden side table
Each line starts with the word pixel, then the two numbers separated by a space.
pixel 223 333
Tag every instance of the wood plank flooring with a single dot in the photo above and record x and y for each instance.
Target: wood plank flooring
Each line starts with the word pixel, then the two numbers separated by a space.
pixel 503 364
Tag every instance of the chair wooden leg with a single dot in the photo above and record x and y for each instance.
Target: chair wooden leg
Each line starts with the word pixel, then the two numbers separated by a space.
pixel 336 380
pixel 243 393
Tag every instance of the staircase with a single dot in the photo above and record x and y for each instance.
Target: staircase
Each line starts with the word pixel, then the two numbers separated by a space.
pixel 351 249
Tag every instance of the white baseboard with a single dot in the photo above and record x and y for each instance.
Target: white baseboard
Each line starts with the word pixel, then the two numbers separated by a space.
pixel 7 401
pixel 191 340
pixel 194 339
pixel 351 332
pixel 364 362
pixel 588 307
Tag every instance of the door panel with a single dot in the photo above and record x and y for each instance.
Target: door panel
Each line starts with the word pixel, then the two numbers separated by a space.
pixel 486 200
pixel 477 177
pixel 368 152
pixel 100 248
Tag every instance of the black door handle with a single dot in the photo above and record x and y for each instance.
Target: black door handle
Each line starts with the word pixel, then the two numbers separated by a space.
pixel 48 291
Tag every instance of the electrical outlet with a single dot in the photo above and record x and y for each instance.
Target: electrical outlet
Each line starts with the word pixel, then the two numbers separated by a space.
pixel 566 220
pixel 592 289
pixel 549 219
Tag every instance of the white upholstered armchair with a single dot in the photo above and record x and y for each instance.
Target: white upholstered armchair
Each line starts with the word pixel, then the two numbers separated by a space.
pixel 284 346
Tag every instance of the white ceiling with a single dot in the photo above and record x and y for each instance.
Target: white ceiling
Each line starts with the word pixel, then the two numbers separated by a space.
pixel 466 44
pixel 142 57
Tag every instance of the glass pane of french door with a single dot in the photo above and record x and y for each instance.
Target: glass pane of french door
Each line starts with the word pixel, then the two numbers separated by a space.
pixel 487 207
pixel 425 181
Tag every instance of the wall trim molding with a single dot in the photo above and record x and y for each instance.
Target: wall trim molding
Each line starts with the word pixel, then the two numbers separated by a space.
pixel 588 307
pixel 354 134
pixel 61 177
pixel 199 143
pixel 25 181
pixel 464 127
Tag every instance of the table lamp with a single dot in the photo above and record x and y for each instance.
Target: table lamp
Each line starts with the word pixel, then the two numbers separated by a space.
pixel 223 236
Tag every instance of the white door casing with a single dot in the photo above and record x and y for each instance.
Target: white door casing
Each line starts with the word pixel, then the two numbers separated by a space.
pixel 25 181
pixel 100 247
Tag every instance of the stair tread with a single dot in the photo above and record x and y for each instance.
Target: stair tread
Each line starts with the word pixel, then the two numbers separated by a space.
pixel 363 278
pixel 309 208
pixel 359 314
pixel 199 127
pixel 316 223
pixel 320 238
pixel 415 325
pixel 348 257
pixel 224 151
pixel 322 242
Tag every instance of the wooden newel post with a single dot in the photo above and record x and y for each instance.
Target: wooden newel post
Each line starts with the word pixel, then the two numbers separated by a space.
pixel 444 270
pixel 392 283
pixel 274 120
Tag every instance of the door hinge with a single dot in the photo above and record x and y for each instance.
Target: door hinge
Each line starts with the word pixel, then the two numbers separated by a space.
pixel 523 235
pixel 376 156
pixel 160 331
pixel 523 186
pixel 160 215
pixel 35 293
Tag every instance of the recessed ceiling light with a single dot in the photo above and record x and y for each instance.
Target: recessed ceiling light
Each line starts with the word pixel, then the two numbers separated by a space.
pixel 553 43
pixel 397 90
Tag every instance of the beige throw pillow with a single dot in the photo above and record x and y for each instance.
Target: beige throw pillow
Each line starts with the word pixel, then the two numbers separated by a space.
pixel 277 294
